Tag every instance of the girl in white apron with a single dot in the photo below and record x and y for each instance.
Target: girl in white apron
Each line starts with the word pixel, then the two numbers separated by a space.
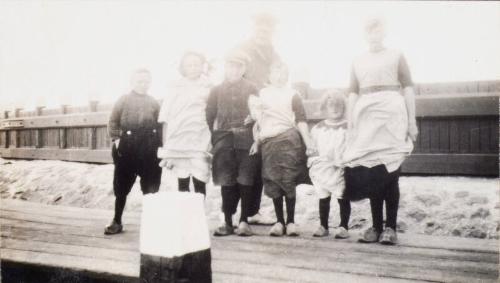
pixel 186 137
pixel 382 128
pixel 325 167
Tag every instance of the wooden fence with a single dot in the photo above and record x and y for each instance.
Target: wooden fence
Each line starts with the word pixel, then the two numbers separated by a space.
pixel 458 124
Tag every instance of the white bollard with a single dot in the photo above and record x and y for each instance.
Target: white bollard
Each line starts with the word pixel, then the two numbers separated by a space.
pixel 175 241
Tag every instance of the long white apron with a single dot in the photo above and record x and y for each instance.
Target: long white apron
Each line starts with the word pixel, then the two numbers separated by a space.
pixel 380 131
pixel 187 141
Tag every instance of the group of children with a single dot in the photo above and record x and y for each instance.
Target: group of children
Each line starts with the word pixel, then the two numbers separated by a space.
pixel 221 129
pixel 231 129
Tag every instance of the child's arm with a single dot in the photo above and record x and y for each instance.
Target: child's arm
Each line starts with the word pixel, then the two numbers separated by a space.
pixel 300 118
pixel 352 98
pixel 409 94
pixel 312 158
pixel 304 133
pixel 406 82
pixel 163 118
pixel 114 129
pixel 211 110
pixel 256 137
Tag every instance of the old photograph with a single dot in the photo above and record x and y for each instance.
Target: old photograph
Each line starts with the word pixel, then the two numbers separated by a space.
pixel 249 141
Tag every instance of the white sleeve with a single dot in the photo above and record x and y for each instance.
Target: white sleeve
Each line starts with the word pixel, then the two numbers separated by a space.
pixel 164 115
pixel 314 139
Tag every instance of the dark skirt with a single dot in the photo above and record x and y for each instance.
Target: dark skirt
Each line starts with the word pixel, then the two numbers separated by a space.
pixel 283 164
pixel 363 182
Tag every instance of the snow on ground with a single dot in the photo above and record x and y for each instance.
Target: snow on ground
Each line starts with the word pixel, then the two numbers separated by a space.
pixel 457 206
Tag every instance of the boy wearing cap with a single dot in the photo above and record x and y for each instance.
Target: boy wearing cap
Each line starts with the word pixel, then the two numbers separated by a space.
pixel 232 166
pixel 260 49
pixel 136 136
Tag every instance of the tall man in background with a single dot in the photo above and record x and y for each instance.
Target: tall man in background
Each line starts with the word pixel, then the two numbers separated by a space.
pixel 259 47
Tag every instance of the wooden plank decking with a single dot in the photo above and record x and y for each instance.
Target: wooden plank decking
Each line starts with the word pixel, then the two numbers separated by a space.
pixel 67 241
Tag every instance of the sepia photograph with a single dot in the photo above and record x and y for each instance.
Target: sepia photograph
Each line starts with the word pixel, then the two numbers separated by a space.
pixel 249 141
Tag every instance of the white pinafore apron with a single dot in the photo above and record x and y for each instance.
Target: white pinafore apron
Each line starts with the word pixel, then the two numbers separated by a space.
pixel 380 131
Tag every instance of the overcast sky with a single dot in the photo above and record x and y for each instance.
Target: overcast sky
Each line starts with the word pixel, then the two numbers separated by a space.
pixel 54 52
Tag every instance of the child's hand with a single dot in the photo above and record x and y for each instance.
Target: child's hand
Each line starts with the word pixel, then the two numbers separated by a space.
pixel 254 149
pixel 413 131
pixel 248 120
pixel 311 151
pixel 166 163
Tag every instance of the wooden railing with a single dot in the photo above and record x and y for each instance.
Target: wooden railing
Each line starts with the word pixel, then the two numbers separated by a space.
pixel 67 133
pixel 458 131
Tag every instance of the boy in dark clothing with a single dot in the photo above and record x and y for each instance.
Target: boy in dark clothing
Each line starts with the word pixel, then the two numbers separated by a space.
pixel 136 136
pixel 233 168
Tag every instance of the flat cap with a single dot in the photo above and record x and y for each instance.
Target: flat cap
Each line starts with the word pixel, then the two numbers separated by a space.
pixel 237 55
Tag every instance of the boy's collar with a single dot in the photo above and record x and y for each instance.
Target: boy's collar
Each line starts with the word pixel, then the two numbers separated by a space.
pixel 335 123
pixel 233 82
pixel 136 93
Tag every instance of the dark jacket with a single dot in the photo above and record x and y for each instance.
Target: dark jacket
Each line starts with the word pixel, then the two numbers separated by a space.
pixel 227 109
pixel 133 112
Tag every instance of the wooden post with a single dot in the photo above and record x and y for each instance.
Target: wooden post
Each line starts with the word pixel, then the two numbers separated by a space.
pixel 62 131
pixel 6 132
pixel 93 138
pixel 178 250
pixel 38 132
pixel 6 141
pixel 93 105
pixel 93 131
pixel 39 110
pixel 17 112
pixel 13 134
pixel 64 109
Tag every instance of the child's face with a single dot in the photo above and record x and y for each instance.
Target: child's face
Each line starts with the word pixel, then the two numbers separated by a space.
pixel 335 109
pixel 375 37
pixel 278 76
pixel 263 36
pixel 234 71
pixel 141 82
pixel 192 67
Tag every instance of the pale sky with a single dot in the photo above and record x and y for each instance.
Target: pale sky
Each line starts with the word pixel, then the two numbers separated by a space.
pixel 55 52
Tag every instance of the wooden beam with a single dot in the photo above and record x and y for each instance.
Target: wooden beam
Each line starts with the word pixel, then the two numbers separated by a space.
pixel 62 121
pixel 81 155
pixel 455 164
pixel 437 105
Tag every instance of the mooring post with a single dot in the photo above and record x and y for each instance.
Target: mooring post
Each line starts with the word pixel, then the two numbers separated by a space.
pixel 175 255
